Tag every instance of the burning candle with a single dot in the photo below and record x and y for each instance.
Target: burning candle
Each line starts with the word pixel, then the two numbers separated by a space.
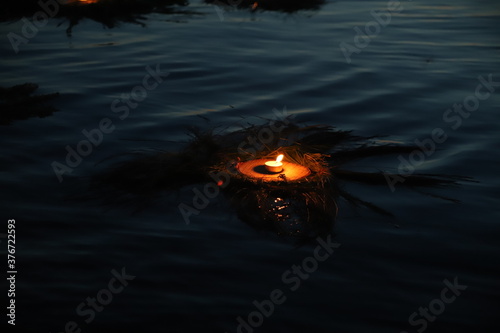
pixel 275 166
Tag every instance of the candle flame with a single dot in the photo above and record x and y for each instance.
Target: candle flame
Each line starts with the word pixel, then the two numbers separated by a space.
pixel 279 158
pixel 82 2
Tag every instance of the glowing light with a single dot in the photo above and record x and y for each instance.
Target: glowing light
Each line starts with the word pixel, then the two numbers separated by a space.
pixel 275 166
pixel 82 2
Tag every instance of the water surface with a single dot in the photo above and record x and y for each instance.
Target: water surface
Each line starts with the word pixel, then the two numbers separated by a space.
pixel 202 276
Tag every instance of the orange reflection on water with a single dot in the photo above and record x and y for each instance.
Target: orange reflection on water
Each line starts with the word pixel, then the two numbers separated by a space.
pixel 82 2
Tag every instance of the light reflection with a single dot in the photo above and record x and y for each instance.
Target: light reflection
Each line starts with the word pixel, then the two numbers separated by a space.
pixel 302 214
pixel 82 2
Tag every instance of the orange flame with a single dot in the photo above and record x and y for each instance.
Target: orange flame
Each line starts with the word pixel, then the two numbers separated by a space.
pixel 279 158
pixel 83 2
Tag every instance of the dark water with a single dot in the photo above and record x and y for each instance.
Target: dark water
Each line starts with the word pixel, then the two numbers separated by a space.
pixel 201 277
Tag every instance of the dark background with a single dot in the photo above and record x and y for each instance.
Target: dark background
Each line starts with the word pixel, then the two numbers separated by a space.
pixel 202 276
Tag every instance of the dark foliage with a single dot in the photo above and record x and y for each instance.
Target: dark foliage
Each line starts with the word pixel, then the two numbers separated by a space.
pixel 302 209
pixel 286 6
pixel 107 12
pixel 18 103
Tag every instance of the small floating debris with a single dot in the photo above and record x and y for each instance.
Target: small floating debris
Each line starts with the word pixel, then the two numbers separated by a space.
pixel 18 103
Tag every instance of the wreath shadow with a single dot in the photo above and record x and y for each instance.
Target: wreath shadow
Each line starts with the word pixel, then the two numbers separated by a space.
pixel 303 209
